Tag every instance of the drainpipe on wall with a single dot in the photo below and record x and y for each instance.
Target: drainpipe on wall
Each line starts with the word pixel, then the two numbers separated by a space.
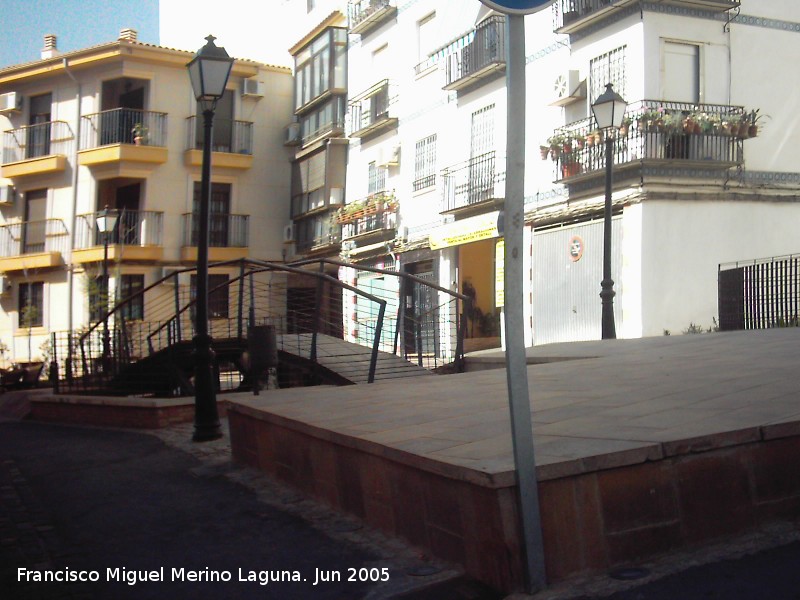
pixel 74 216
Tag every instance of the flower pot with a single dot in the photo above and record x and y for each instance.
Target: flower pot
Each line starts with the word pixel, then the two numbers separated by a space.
pixel 545 151
pixel 570 169
pixel 752 131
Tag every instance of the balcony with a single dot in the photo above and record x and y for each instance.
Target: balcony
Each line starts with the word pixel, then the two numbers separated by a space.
pixel 373 218
pixel 365 15
pixel 474 186
pixel 33 245
pixel 228 237
pixel 232 146
pixel 326 242
pixel 40 149
pixel 370 111
pixel 123 142
pixel 702 137
pixel 481 54
pixel 571 16
pixel 138 236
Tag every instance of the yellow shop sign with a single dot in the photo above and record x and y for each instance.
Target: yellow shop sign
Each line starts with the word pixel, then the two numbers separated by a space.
pixel 473 229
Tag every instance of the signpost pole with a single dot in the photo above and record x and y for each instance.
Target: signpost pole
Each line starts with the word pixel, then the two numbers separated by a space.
pixel 516 363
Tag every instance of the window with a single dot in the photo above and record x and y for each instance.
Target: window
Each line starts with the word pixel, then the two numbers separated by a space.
pixel 426 36
pixel 34 232
pixel 308 184
pixel 217 298
pixel 605 69
pixel 425 163
pixel 376 178
pixel 320 66
pixel 131 285
pixel 326 119
pixel 31 304
pixel 317 232
pixel 219 215
pixel 681 72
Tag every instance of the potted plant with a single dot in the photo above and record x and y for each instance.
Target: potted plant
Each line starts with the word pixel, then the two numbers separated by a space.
pixel 139 132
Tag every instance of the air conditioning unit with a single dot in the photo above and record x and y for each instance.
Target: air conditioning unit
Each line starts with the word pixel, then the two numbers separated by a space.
pixel 5 286
pixel 568 88
pixel 10 102
pixel 292 135
pixel 390 157
pixel 288 233
pixel 252 88
pixel 7 195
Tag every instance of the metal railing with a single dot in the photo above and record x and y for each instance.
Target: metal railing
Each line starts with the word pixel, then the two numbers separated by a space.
pixel 370 108
pixel 569 11
pixel 359 11
pixel 123 126
pixel 377 212
pixel 479 179
pixel 759 294
pixel 33 237
pixel 134 228
pixel 311 312
pixel 35 141
pixel 224 231
pixel 654 130
pixel 333 237
pixel 232 136
pixel 487 47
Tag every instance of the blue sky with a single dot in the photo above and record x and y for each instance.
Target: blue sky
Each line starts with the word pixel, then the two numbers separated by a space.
pixel 76 23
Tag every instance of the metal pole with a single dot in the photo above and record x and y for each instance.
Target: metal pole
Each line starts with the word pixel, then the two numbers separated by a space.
pixel 516 364
pixel 609 330
pixel 206 418
pixel 104 300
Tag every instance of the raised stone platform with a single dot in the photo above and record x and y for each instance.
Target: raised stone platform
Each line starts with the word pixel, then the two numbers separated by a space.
pixel 649 446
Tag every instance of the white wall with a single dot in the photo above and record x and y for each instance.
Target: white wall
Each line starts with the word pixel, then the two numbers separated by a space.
pixel 684 242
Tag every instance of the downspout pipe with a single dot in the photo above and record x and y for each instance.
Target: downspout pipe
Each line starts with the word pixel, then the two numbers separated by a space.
pixel 73 216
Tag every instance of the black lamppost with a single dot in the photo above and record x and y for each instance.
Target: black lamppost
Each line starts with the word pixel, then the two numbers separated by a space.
pixel 609 110
pixel 209 71
pixel 106 221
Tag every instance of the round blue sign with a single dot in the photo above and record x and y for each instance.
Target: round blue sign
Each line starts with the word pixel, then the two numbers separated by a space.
pixel 518 7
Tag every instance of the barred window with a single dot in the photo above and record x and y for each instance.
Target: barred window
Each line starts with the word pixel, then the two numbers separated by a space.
pixel 605 69
pixel 425 163
pixel 376 178
pixel 31 304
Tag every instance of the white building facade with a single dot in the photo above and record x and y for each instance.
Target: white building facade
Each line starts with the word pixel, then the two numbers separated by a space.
pixel 699 176
pixel 117 126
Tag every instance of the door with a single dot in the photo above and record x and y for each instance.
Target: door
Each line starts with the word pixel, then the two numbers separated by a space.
pixel 420 314
pixel 481 164
pixel 38 138
pixel 222 132
pixel 681 76
pixel 33 234
pixel 131 112
pixel 219 215
pixel 127 202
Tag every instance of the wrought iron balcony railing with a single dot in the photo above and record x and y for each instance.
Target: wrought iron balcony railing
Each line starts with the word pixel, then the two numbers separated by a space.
pixel 230 136
pixel 134 228
pixel 572 15
pixel 33 237
pixel 225 231
pixel 477 181
pixel 371 111
pixel 123 126
pixel 705 136
pixel 364 15
pixel 36 141
pixel 483 53
pixel 376 212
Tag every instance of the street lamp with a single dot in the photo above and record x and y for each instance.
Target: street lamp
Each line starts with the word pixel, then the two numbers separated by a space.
pixel 609 110
pixel 106 221
pixel 209 71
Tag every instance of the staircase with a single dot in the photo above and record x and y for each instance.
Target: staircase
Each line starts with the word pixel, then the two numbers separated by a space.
pixel 327 331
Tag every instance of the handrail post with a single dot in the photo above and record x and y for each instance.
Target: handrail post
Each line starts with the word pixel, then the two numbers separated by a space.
pixel 177 307
pixel 240 312
pixel 317 313
pixel 373 361
pixel 401 306
pixel 252 311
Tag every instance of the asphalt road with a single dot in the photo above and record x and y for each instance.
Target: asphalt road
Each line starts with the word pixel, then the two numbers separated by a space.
pixel 150 522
